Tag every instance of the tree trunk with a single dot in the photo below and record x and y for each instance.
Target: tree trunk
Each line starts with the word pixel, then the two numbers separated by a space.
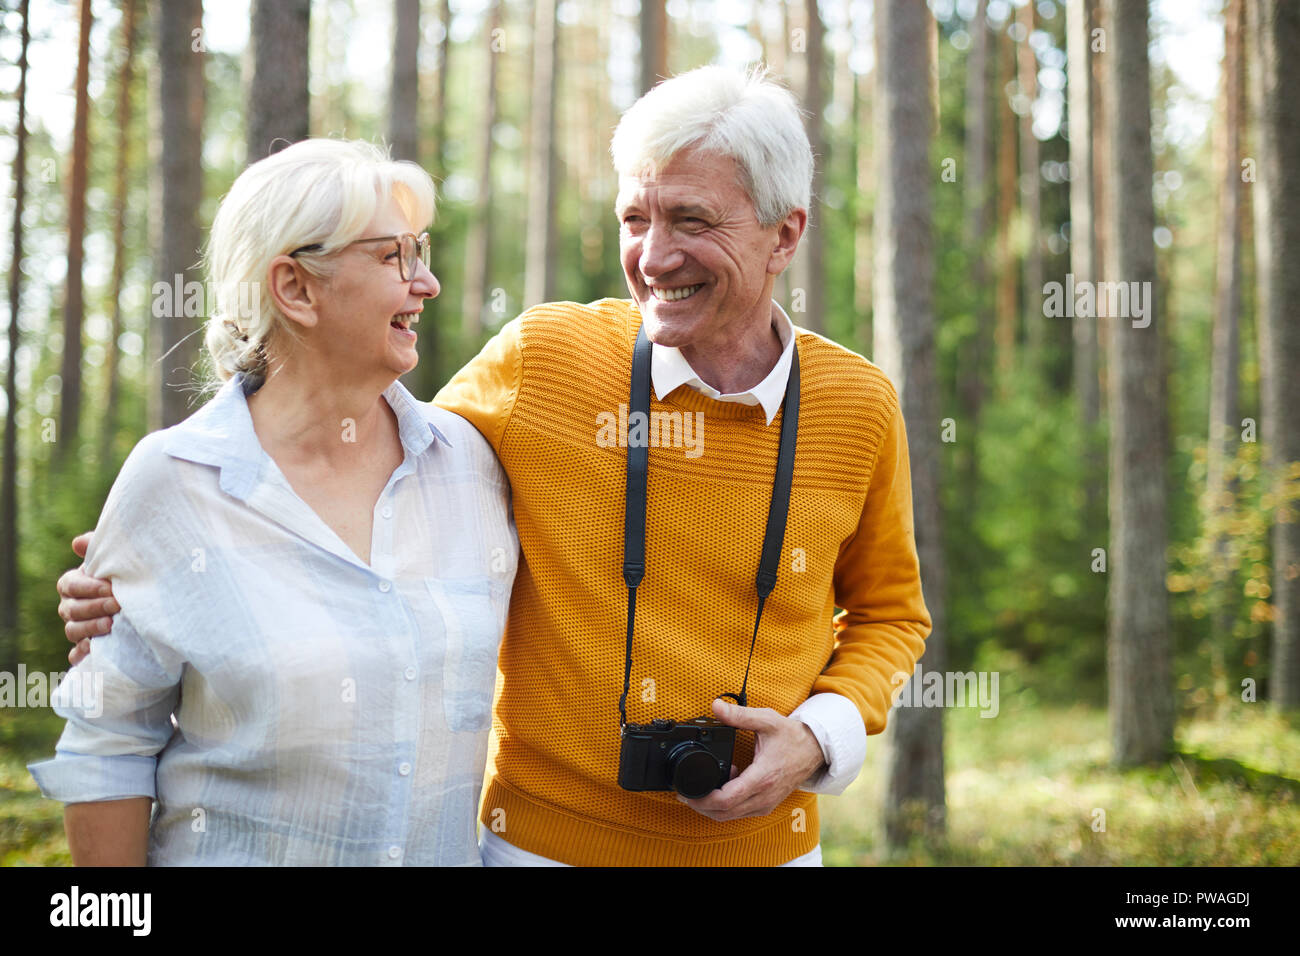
pixel 180 239
pixel 809 266
pixel 1083 243
pixel 976 198
pixel 1140 677
pixel 437 360
pixel 404 88
pixel 786 67
pixel 543 178
pixel 589 126
pixel 756 28
pixel 904 348
pixel 478 245
pixel 864 174
pixel 1004 335
pixel 439 151
pixel 122 117
pixel 778 47
pixel 1223 438
pixel 1031 199
pixel 73 304
pixel 843 85
pixel 9 493
pixel 1101 188
pixel 654 43
pixel 278 95
pixel 1276 40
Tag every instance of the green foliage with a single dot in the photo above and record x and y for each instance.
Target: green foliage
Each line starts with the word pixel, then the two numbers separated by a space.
pixel 1222 580
pixel 1021 544
pixel 68 505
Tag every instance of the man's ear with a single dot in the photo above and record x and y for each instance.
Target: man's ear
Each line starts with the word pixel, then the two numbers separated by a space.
pixel 788 233
pixel 293 290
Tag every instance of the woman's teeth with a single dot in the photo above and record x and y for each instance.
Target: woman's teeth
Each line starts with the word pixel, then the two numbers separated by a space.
pixel 675 295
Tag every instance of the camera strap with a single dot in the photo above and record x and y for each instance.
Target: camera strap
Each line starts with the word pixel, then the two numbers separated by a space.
pixel 638 461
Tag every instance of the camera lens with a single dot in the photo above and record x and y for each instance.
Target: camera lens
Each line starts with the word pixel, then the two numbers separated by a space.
pixel 693 770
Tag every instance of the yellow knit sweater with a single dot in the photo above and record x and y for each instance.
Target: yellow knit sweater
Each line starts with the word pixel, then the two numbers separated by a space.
pixel 540 392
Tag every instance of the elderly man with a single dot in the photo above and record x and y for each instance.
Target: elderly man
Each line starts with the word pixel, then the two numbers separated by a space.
pixel 714 176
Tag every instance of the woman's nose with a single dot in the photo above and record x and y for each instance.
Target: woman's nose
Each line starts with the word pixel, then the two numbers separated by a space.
pixel 425 284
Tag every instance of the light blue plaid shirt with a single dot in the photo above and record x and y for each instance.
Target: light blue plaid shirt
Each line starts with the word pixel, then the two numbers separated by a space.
pixel 282 701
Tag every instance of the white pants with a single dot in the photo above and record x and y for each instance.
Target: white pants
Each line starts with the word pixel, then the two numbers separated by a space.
pixel 498 852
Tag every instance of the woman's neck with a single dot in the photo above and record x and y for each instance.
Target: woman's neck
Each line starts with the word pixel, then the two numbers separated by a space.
pixel 300 416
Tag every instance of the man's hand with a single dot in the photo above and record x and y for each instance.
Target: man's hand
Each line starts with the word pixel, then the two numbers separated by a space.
pixel 85 603
pixel 786 753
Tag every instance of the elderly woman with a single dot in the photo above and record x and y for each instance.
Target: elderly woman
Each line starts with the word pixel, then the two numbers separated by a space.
pixel 313 569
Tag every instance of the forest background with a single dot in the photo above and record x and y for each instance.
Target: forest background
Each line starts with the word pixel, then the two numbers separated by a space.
pixel 1105 506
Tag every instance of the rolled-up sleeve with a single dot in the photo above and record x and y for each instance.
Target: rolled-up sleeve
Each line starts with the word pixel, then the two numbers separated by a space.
pixel 118 703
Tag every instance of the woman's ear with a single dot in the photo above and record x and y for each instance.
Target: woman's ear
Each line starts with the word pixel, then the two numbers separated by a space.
pixel 293 290
pixel 788 233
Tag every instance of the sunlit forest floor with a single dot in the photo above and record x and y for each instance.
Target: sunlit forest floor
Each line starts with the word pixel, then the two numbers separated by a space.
pixel 1024 789
pixel 31 827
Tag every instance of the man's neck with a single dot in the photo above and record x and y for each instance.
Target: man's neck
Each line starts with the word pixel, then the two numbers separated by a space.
pixel 737 365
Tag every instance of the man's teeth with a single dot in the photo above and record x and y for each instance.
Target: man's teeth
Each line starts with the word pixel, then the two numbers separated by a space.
pixel 404 321
pixel 673 295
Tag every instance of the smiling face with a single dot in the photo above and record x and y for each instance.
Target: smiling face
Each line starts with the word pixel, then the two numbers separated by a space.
pixel 366 310
pixel 696 260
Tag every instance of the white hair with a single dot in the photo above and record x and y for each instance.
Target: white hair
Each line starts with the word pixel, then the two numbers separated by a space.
pixel 748 117
pixel 317 192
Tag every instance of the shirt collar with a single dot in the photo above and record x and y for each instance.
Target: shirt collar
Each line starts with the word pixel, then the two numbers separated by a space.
pixel 669 370
pixel 221 434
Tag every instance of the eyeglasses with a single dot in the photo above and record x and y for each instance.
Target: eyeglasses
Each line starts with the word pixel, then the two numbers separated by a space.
pixel 411 251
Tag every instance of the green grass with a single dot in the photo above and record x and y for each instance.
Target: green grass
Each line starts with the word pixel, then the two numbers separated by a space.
pixel 1023 789
pixel 31 827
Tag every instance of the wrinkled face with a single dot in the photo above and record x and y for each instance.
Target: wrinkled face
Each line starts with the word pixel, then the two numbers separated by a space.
pixel 367 309
pixel 696 260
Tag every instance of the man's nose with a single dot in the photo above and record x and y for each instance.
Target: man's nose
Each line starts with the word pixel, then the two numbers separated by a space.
pixel 659 252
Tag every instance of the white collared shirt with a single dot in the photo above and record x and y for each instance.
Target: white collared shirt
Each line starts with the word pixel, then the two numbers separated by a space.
pixel 669 370
pixel 832 718
pixel 327 711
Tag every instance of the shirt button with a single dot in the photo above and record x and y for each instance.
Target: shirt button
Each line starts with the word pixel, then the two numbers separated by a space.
pixel 385 586
pixel 404 769
pixel 394 852
pixel 387 512
pixel 410 673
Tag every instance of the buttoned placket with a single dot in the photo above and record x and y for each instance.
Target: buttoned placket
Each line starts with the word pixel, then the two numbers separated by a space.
pixel 275 498
pixel 403 647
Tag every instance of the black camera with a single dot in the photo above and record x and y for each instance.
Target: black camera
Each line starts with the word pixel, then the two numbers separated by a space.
pixel 692 757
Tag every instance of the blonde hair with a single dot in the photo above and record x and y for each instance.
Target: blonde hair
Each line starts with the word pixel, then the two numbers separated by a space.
pixel 317 192
pixel 747 116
